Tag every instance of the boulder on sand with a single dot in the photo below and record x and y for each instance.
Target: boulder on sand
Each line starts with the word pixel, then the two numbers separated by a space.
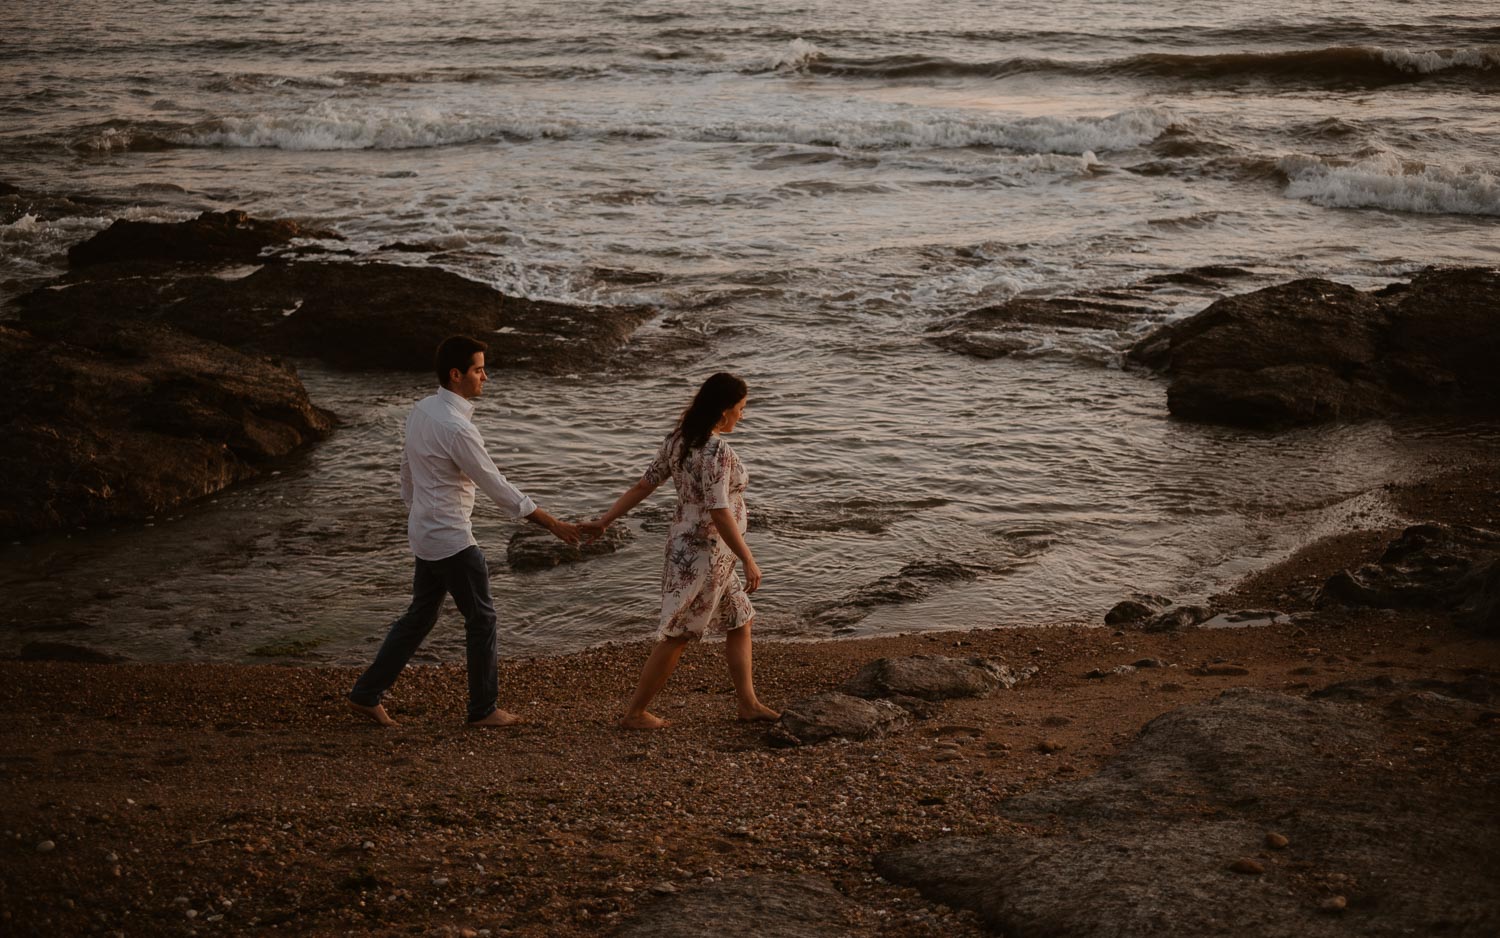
pixel 837 716
pixel 1430 566
pixel 933 677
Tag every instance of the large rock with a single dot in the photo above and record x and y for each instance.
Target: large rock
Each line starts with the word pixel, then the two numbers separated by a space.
pixel 123 421
pixel 1315 350
pixel 211 238
pixel 1171 837
pixel 933 677
pixel 838 716
pixel 763 906
pixel 535 549
pixel 350 315
pixel 1430 566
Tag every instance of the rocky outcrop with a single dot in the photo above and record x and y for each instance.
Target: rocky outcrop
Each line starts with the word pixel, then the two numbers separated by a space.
pixel 211 238
pixel 764 906
pixel 119 421
pixel 933 677
pixel 837 716
pixel 535 549
pixel 1251 814
pixel 1430 566
pixel 1315 350
pixel 350 315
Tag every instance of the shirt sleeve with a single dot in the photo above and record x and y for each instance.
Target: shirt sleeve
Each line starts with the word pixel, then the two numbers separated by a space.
pixel 718 469
pixel 468 452
pixel 660 469
pixel 406 483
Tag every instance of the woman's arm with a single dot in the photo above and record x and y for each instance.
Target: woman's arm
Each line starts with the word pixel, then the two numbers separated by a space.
pixel 730 532
pixel 633 496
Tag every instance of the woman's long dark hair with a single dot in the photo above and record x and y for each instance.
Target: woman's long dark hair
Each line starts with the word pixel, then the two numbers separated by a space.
pixel 718 394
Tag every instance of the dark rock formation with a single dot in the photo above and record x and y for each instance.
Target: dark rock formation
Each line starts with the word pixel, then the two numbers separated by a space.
pixel 1315 350
pixel 1177 617
pixel 762 906
pixel 121 421
pixel 350 315
pixel 1174 837
pixel 535 549
pixel 837 716
pixel 1139 606
pixel 912 583
pixel 211 238
pixel 1430 566
pixel 933 677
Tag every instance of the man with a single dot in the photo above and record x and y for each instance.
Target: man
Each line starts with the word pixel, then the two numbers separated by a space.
pixel 442 462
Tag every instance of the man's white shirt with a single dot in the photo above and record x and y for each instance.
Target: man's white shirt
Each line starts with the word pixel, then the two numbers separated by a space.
pixel 442 462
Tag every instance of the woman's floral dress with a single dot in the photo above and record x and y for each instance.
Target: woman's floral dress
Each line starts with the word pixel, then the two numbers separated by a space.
pixel 699 589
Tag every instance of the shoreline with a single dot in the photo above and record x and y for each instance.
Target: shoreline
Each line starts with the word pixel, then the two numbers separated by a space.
pixel 208 798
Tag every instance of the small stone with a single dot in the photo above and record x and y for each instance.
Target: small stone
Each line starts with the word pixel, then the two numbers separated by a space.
pixel 664 889
pixel 467 933
pixel 46 846
pixel 191 913
pixel 111 857
pixel 1148 663
pixel 1247 866
pixel 367 845
pixel 1221 670
pixel 1277 841
pixel 1334 904
pixel 1049 746
pixel 440 881
pixel 181 900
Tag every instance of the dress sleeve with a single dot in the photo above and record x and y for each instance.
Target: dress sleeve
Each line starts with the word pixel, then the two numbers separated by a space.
pixel 718 470
pixel 660 469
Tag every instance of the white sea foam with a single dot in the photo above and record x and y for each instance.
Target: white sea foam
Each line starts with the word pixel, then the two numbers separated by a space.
pixel 1427 63
pixel 346 126
pixel 796 55
pixel 1385 181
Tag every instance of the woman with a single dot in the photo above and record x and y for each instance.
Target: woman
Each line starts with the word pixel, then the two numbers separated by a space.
pixel 700 591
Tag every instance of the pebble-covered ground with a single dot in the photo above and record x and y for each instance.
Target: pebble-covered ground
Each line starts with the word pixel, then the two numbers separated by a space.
pixel 209 799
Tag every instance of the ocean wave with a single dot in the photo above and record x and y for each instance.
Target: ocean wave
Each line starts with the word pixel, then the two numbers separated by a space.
pixel 1336 65
pixel 335 125
pixel 1384 181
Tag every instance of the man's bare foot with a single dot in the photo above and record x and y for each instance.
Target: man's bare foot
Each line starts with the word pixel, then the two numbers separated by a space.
pixel 759 712
pixel 376 713
pixel 500 718
pixel 646 721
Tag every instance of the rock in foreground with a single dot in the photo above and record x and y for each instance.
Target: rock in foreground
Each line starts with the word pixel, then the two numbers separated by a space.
pixel 535 549
pixel 933 677
pixel 1430 566
pixel 1169 836
pixel 838 716
pixel 122 421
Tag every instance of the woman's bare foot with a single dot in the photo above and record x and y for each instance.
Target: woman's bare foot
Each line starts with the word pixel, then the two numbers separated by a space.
pixel 646 721
pixel 757 713
pixel 500 718
pixel 376 713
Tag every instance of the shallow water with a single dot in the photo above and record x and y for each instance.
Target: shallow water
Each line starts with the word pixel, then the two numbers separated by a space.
pixel 803 189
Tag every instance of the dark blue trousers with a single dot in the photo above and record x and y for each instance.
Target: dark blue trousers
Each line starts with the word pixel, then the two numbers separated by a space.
pixel 466 578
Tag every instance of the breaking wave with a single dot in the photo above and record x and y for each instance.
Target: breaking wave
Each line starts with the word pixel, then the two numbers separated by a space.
pixel 1384 181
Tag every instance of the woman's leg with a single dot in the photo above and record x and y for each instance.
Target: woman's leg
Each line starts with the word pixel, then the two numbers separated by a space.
pixel 659 667
pixel 737 655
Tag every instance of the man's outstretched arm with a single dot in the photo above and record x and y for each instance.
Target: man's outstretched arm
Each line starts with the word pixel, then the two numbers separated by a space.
pixel 469 453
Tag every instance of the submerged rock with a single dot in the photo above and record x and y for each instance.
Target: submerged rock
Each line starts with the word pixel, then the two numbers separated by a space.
pixel 1156 833
pixel 1315 350
pixel 121 421
pixel 64 651
pixel 912 583
pixel 934 677
pixel 1430 566
pixel 764 906
pixel 833 715
pixel 1023 322
pixel 536 549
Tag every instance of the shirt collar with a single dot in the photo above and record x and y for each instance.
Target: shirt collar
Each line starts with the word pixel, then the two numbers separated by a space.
pixel 456 401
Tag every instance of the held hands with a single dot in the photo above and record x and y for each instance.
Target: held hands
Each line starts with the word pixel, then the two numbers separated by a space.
pixel 565 532
pixel 591 531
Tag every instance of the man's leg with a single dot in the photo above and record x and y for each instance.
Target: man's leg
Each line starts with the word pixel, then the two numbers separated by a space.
pixel 469 582
pixel 401 642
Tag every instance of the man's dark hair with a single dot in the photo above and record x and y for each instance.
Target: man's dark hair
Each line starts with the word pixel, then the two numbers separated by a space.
pixel 456 351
